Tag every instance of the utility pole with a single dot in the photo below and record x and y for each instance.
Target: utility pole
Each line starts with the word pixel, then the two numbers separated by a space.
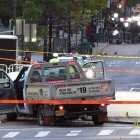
pixel 69 37
pixel 49 55
pixel 14 14
pixel 50 34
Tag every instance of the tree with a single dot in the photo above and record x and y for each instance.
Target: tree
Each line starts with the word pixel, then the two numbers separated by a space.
pixel 75 12
pixel 131 3
pixel 6 10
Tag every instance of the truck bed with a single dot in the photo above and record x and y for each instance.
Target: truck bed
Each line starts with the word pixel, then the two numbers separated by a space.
pixel 98 90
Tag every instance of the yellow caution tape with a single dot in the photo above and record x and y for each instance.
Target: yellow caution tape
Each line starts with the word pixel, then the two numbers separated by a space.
pixel 94 55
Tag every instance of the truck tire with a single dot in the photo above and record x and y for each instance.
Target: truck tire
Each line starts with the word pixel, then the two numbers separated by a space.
pixel 44 120
pixel 11 117
pixel 97 121
pixel 41 116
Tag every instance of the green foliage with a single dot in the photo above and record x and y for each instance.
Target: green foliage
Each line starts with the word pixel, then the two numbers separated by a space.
pixel 77 12
pixel 132 2
pixel 42 31
pixel 6 8
pixel 31 12
pixel 32 46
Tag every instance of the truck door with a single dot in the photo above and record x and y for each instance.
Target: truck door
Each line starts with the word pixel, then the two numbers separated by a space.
pixel 94 70
pixel 19 83
pixel 6 93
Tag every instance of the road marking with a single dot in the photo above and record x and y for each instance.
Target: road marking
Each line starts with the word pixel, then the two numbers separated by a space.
pixel 105 132
pixel 73 133
pixel 135 132
pixel 11 135
pixel 42 134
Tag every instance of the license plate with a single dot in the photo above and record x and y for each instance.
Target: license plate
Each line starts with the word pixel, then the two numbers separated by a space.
pixel 59 112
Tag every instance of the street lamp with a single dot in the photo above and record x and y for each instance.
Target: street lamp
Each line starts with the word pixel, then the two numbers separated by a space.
pixel 14 13
pixel 126 24
pixel 116 15
pixel 138 23
pixel 113 18
pixel 115 32
pixel 129 19
pixel 119 6
pixel 121 19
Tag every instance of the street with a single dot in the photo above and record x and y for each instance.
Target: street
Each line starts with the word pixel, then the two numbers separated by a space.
pixel 69 131
pixel 126 73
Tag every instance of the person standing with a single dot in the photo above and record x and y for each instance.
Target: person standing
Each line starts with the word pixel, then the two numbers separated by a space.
pixel 54 59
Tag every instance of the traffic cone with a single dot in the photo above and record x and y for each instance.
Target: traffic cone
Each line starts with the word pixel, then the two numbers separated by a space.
pixel 126 115
pixel 136 123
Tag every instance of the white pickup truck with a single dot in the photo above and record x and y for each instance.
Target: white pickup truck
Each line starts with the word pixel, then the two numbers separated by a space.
pixel 63 81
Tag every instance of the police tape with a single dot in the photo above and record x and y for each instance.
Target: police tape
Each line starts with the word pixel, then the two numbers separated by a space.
pixel 14 60
pixel 34 62
pixel 58 102
pixel 92 55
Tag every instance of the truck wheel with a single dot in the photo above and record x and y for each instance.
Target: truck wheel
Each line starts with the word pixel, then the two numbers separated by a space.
pixel 41 116
pixel 12 117
pixel 44 120
pixel 97 121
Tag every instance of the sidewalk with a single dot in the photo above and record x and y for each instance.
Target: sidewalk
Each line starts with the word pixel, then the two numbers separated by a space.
pixel 125 120
pixel 123 49
pixel 99 48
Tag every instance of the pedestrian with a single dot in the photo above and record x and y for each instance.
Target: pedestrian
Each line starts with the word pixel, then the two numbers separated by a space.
pixel 27 58
pixel 54 59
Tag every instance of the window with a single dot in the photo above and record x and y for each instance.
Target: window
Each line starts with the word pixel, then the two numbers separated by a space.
pixel 36 76
pixel 4 80
pixel 55 73
pixel 94 70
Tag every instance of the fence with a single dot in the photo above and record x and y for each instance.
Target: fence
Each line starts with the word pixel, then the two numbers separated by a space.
pixel 11 68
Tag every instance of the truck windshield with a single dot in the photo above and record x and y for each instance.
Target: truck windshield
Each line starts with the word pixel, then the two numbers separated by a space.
pixel 94 70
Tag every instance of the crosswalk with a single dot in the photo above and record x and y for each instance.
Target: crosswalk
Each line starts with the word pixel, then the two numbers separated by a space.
pixel 71 133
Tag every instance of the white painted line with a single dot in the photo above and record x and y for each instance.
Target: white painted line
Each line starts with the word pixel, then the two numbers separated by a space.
pixel 135 132
pixel 11 135
pixel 42 134
pixel 73 133
pixel 105 132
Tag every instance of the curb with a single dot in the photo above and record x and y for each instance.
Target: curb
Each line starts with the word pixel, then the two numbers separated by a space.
pixel 102 50
pixel 124 120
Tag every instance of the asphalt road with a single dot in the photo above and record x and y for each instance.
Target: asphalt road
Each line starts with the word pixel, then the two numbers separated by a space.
pixel 126 73
pixel 71 131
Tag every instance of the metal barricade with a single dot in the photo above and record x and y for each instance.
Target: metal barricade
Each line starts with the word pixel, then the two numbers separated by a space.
pixel 15 67
pixel 4 67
